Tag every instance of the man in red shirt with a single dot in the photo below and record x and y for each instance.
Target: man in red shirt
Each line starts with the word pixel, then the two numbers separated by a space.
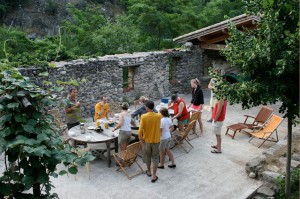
pixel 218 116
pixel 180 111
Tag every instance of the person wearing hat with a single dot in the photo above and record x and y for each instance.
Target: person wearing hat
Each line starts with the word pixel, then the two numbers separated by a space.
pixel 125 122
pixel 180 111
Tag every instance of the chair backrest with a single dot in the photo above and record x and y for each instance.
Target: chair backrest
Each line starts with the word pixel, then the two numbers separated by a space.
pixel 92 111
pixel 132 151
pixel 263 115
pixel 56 115
pixel 273 123
pixel 194 116
pixel 188 128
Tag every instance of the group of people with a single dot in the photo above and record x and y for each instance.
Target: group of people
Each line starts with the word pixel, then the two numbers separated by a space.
pixel 155 128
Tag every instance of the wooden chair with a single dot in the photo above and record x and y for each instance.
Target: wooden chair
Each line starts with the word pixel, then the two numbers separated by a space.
pixel 261 118
pixel 194 117
pixel 266 132
pixel 63 129
pixel 182 136
pixel 127 158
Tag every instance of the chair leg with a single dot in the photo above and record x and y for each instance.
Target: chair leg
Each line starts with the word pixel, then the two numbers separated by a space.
pixel 227 131
pixel 251 139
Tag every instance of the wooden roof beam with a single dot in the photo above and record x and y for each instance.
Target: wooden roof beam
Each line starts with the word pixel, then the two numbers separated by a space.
pixel 207 40
pixel 213 46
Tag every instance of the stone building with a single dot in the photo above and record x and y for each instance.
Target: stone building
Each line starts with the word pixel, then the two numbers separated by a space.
pixel 126 77
pixel 211 40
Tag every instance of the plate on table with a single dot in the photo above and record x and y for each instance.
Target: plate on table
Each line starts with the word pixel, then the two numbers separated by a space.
pixel 91 128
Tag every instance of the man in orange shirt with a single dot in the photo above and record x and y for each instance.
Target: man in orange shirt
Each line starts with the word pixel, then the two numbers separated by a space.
pixel 149 136
pixel 102 109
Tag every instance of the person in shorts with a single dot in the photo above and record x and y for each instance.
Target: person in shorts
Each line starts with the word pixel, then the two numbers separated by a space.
pixel 149 136
pixel 166 126
pixel 197 101
pixel 180 111
pixel 218 116
pixel 125 122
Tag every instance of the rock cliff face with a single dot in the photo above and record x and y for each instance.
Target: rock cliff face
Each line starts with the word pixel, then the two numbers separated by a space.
pixel 42 17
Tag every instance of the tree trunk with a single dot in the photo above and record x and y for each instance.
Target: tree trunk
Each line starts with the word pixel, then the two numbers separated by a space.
pixel 36 191
pixel 288 158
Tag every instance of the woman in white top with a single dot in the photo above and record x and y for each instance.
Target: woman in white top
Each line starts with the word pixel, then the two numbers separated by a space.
pixel 166 127
pixel 124 125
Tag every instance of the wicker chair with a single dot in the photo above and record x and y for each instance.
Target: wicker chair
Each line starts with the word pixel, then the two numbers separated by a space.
pixel 127 158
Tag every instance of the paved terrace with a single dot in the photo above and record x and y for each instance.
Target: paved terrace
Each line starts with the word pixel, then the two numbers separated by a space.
pixel 199 174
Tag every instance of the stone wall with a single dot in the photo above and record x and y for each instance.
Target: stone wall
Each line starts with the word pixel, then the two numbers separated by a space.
pixel 213 58
pixel 272 164
pixel 104 75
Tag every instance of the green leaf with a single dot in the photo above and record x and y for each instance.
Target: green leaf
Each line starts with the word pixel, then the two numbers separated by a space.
pixel 16 143
pixel 42 177
pixel 42 137
pixel 37 115
pixel 28 182
pixel 28 128
pixel 54 174
pixel 62 172
pixel 12 155
pixel 58 89
pixel 32 122
pixel 12 105
pixel 34 95
pixel 8 96
pixel 73 170
pixel 20 118
pixel 43 74
pixel 6 118
pixel 5 188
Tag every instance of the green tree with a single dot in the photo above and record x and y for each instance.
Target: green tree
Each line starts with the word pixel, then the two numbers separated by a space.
pixel 116 37
pixel 78 30
pixel 29 139
pixel 269 59
pixel 215 10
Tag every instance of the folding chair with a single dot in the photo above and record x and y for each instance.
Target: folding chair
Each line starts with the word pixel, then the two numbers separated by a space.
pixel 182 136
pixel 266 132
pixel 127 158
pixel 194 117
pixel 261 118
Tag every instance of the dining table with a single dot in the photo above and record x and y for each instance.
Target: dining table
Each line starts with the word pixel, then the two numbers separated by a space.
pixel 89 134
